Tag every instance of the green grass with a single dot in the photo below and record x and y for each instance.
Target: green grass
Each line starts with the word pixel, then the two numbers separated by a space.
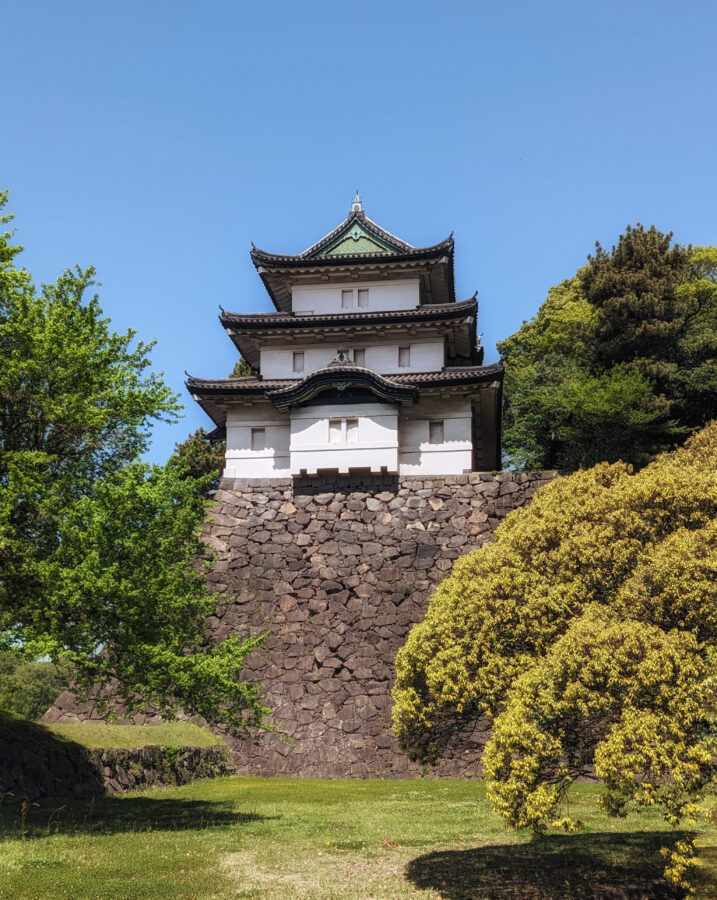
pixel 285 838
pixel 179 734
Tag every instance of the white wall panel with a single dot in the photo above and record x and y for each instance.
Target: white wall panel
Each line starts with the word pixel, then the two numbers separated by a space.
pixel 375 444
pixel 426 356
pixel 383 295
pixel 241 460
pixel 418 456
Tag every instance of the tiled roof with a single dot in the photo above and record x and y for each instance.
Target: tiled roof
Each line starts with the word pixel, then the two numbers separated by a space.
pixel 257 385
pixel 430 311
pixel 457 375
pixel 264 258
pixel 342 375
pixel 357 231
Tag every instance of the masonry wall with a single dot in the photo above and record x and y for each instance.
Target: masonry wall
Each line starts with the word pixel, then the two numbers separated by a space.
pixel 337 570
pixel 36 765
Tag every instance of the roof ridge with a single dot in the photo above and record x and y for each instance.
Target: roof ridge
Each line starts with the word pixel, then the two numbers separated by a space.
pixel 357 215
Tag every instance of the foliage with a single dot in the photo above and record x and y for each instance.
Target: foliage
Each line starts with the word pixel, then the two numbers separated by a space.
pixel 620 361
pixel 587 632
pixel 29 687
pixel 634 290
pixel 242 369
pixel 201 460
pixel 99 553
pixel 201 457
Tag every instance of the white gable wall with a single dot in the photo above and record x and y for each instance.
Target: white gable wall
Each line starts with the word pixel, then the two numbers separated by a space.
pixel 425 356
pixel 374 443
pixel 382 296
pixel 387 437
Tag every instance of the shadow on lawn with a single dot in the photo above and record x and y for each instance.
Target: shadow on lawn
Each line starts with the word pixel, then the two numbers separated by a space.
pixel 111 815
pixel 594 865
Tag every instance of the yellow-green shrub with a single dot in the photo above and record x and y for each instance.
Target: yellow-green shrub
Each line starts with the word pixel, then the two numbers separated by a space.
pixel 587 632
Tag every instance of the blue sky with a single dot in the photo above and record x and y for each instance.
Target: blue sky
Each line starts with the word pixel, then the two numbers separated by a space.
pixel 155 140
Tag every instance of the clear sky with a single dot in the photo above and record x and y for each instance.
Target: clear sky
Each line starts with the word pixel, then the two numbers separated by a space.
pixel 156 139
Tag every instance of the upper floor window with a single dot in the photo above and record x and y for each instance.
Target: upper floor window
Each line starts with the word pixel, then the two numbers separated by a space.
pixel 354 297
pixel 299 361
pixel 435 432
pixel 404 357
pixel 360 356
pixel 258 439
pixel 343 431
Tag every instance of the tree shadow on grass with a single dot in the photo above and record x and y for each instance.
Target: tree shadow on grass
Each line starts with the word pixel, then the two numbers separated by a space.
pixel 555 867
pixel 112 815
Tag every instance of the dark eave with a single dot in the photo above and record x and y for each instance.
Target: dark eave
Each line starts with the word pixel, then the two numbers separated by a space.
pixel 458 375
pixel 288 320
pixel 433 266
pixel 339 378
pixel 299 261
pixel 455 322
pixel 213 394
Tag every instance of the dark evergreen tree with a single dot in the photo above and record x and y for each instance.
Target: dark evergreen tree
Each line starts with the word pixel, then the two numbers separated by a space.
pixel 242 369
pixel 200 459
pixel 621 360
pixel 640 311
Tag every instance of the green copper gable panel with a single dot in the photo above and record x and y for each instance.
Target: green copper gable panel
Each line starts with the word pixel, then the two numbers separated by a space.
pixel 349 246
pixel 356 239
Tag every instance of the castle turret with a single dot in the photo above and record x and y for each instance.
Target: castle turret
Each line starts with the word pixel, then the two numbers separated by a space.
pixel 368 364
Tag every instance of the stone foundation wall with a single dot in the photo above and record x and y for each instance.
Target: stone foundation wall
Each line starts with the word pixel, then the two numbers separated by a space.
pixel 337 570
pixel 34 765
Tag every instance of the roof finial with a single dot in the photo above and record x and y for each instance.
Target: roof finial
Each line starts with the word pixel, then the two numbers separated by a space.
pixel 357 206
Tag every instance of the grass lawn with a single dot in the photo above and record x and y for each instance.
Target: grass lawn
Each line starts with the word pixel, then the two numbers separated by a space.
pixel 179 734
pixel 36 735
pixel 286 838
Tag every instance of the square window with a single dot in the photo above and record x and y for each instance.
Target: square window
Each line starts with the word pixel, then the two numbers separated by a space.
pixel 258 439
pixel 363 297
pixel 334 431
pixel 299 362
pixel 351 431
pixel 360 356
pixel 347 299
pixel 404 357
pixel 435 433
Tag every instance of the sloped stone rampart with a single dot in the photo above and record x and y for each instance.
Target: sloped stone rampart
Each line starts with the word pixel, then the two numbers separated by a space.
pixel 337 570
pixel 36 766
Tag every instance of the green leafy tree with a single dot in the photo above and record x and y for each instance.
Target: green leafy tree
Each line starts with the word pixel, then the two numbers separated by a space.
pixel 587 633
pixel 29 687
pixel 618 363
pixel 202 457
pixel 100 554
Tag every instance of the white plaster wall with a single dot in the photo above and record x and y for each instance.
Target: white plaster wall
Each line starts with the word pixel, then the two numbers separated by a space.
pixel 383 295
pixel 241 460
pixel 417 456
pixel 398 442
pixel 376 446
pixel 426 356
